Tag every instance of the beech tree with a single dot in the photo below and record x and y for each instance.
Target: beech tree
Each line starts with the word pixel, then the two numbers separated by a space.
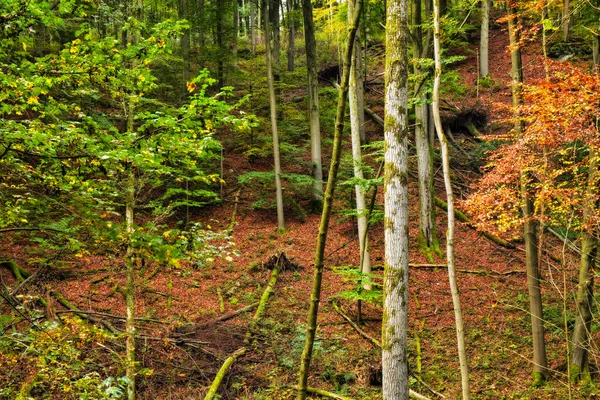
pixel 395 281
pixel 313 104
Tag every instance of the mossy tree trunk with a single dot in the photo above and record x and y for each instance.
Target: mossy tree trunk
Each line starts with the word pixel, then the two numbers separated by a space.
pixel 395 282
pixel 580 342
pixel 315 297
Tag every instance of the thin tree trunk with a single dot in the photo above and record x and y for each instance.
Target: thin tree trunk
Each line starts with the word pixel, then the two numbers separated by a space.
pixel 273 105
pixel 219 39
pixel 291 36
pixel 484 40
pixel 253 26
pixel 236 32
pixel 566 19
pixel 130 360
pixel 313 105
pixel 355 89
pixel 395 280
pixel 540 364
pixel 185 45
pixel 460 332
pixel 580 367
pixel 315 296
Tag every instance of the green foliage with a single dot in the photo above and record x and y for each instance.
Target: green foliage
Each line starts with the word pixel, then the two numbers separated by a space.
pixel 59 361
pixel 359 280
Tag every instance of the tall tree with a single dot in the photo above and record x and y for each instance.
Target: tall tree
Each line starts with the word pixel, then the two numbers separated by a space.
pixel 315 297
pixel 460 331
pixel 356 106
pixel 291 5
pixel 427 237
pixel 252 25
pixel 540 364
pixel 580 365
pixel 484 39
pixel 273 107
pixel 313 104
pixel 395 281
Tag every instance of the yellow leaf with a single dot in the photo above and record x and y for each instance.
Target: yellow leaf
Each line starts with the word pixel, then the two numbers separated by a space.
pixel 191 86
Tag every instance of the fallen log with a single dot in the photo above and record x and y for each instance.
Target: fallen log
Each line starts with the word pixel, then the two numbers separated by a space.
pixel 228 315
pixel 221 374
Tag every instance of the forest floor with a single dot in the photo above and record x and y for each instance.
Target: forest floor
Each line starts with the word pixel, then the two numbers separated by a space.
pixel 182 344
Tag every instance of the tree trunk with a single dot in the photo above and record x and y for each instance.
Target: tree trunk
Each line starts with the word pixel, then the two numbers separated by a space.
pixel 580 367
pixel 460 332
pixel 219 39
pixel 427 237
pixel 395 281
pixel 355 90
pixel 540 364
pixel 273 105
pixel 313 105
pixel 236 32
pixel 130 283
pixel 566 19
pixel 185 45
pixel 253 26
pixel 315 296
pixel 291 36
pixel 484 40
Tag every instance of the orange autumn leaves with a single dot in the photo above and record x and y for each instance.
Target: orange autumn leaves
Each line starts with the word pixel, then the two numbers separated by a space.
pixel 561 119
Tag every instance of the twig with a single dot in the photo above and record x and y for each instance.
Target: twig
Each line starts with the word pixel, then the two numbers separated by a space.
pixel 365 335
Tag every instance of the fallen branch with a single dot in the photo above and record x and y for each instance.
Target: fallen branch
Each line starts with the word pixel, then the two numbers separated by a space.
pixel 101 314
pixel 264 299
pixel 221 374
pixel 82 314
pixel 362 333
pixel 228 315
pixel 325 393
pixel 336 396
pixel 463 218
pixel 467 271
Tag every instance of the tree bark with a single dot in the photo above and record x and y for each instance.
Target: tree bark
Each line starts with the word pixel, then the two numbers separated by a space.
pixel 540 364
pixel 273 106
pixel 356 106
pixel 291 36
pixel 236 32
pixel 313 105
pixel 580 367
pixel 315 297
pixel 253 26
pixel 460 332
pixel 395 281
pixel 484 40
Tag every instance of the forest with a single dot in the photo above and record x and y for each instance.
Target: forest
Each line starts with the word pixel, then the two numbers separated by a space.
pixel 294 199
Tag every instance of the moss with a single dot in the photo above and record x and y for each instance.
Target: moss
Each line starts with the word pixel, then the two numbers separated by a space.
pixel 539 379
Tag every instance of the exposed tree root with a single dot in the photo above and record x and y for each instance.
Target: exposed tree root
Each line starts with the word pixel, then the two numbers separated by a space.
pixel 222 372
